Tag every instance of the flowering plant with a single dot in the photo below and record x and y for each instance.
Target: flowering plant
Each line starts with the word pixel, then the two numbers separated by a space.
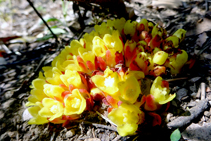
pixel 109 65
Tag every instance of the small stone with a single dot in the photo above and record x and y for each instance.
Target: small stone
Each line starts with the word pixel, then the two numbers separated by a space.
pixel 4 137
pixel 193 95
pixel 26 115
pixel 207 113
pixel 8 103
pixel 8 94
pixel 193 88
pixel 11 134
pixel 181 93
pixel 70 133
pixel 112 135
pixel 195 132
pixel 1 114
pixel 89 133
pixel 168 117
pixel 191 104
pixel 194 79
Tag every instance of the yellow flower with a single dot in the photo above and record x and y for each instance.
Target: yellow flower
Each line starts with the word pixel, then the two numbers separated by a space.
pixel 103 29
pixel 75 103
pixel 126 117
pixel 160 57
pixel 176 63
pixel 72 77
pixel 107 83
pixel 119 24
pixel 99 47
pixel 37 119
pixel 180 33
pixel 113 41
pixel 130 27
pixel 53 91
pixel 129 90
pixel 52 109
pixel 52 75
pixel 160 92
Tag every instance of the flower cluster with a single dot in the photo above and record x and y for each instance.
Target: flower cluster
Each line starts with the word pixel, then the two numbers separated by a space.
pixel 108 65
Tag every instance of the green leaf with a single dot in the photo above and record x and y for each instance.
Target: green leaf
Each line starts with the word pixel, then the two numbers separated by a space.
pixel 58 30
pixel 52 19
pixel 175 135
pixel 44 38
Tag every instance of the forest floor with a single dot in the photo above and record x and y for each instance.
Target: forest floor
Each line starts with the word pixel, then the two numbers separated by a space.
pixel 28 46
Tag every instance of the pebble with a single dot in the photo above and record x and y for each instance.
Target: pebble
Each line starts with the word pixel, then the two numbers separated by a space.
pixel 195 132
pixel 8 94
pixel 181 93
pixel 1 114
pixel 193 88
pixel 26 115
pixel 112 135
pixel 70 133
pixel 8 103
pixel 12 134
pixel 89 133
pixel 191 104
pixel 168 117
pixel 194 79
pixel 207 113
pixel 194 95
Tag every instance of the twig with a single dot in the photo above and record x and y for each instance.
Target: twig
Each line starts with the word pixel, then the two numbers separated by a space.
pixel 175 79
pixel 206 45
pixel 117 138
pixel 198 93
pixel 203 92
pixel 96 125
pixel 104 126
pixel 183 121
pixel 105 118
pixel 93 133
pixel 30 3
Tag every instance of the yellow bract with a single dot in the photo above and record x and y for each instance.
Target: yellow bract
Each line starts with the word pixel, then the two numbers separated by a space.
pixel 74 103
pixel 161 94
pixel 126 117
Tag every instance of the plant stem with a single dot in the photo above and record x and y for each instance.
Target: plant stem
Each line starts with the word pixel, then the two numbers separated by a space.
pixel 31 4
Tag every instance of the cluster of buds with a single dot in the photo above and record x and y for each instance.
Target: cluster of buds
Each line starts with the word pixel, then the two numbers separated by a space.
pixel 108 66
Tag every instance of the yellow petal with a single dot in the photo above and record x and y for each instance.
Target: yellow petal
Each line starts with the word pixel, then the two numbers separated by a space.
pixel 129 89
pixel 72 77
pixel 160 57
pixel 53 91
pixel 99 47
pixel 52 108
pixel 74 103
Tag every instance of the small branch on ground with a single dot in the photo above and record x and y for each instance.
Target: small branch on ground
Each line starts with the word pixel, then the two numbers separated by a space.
pixel 183 121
